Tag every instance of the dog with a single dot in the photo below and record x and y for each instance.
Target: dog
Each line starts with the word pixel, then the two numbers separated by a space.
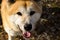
pixel 19 17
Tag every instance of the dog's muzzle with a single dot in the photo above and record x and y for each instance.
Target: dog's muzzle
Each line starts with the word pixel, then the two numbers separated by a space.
pixel 28 28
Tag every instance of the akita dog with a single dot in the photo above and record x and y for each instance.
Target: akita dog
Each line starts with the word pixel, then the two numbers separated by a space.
pixel 20 17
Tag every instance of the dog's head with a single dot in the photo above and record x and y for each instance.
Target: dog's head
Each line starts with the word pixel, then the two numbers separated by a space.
pixel 24 14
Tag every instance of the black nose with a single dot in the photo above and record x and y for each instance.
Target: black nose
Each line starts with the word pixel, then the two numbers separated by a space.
pixel 28 27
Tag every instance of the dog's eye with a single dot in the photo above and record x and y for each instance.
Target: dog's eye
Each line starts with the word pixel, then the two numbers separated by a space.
pixel 32 12
pixel 19 13
pixel 11 1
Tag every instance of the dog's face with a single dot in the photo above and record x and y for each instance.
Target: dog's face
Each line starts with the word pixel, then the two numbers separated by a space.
pixel 24 14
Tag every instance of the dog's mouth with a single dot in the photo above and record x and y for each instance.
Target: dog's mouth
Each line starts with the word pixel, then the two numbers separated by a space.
pixel 27 34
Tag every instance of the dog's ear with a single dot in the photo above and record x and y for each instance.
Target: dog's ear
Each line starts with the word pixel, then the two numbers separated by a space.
pixel 38 1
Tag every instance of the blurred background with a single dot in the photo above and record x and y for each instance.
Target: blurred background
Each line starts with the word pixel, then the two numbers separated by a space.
pixel 49 23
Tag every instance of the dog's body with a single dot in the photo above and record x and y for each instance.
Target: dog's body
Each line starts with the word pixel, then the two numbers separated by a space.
pixel 20 17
